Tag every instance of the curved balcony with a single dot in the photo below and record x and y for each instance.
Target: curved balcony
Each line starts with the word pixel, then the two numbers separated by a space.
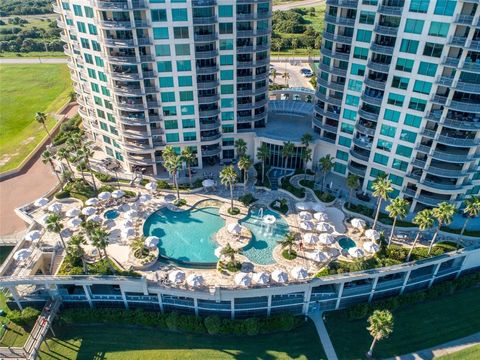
pixel 356 170
pixel 210 137
pixel 130 106
pixel 120 59
pixel 260 62
pixel 208 99
pixel 326 127
pixel 474 45
pixel 250 118
pixel 335 55
pixel 471 67
pixel 382 49
pixel 249 16
pixel 328 114
pixel 125 76
pixel 390 10
pixel 211 152
pixel 245 79
pixel 207 69
pixel 385 68
pixel 140 160
pixel 137 147
pixel 464 19
pixel 362 143
pixel 244 64
pixel 468 87
pixel 205 38
pixel 264 47
pixel 464 106
pixel 207 84
pixel 245 33
pixel 128 90
pixel 204 20
pixel 331 85
pixel 435 170
pixel 350 4
pixel 127 43
pixel 448 157
pixel 245 49
pixel 262 76
pixel 210 126
pixel 368 115
pixel 334 70
pixel 247 92
pixel 441 186
pixel 206 54
pixel 365 130
pixel 208 113
pixel 358 155
pixel 380 85
pixel 372 100
pixel 121 5
pixel 445 80
pixel 343 21
pixel 451 61
pixel 135 134
pixel 133 121
pixel 386 30
pixel 330 99
pixel 337 38
pixel 204 3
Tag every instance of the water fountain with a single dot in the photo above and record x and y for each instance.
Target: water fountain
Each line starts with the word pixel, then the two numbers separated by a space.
pixel 259 216
pixel 269 221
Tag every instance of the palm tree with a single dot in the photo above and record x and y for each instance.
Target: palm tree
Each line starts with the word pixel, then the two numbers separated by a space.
pixel 306 139
pixel 353 183
pixel 444 214
pixel 189 157
pixel 229 251
pixel 244 164
pixel 241 147
pixel 326 165
pixel 398 208
pixel 86 154
pixel 287 151
pixel 64 154
pixel 228 177
pixel 288 241
pixel 72 96
pixel 276 46
pixel 47 158
pixel 173 163
pixel 286 77
pixel 306 157
pixel 424 220
pixel 382 186
pixel 41 118
pixel 99 238
pixel 263 153
pixel 75 249
pixel 274 74
pixel 472 209
pixel 54 225
pixel 138 246
pixel 380 327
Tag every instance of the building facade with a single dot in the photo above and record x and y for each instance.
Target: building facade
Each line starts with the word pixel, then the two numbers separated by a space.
pixel 167 72
pixel 398 94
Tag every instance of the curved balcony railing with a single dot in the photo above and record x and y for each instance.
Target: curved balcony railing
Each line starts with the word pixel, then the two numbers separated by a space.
pixel 365 130
pixel 368 115
pixel 343 21
pixel 386 30
pixel 328 114
pixel 337 38
pixel 359 155
pixel 326 127
pixel 385 68
pixel 382 49
pixel 375 84
pixel 356 170
pixel 335 55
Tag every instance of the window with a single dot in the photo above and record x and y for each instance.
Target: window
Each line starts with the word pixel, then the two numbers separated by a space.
pixel 184 81
pixel 445 7
pixel 226 59
pixel 172 137
pixel 162 50
pixel 417 104
pixel 81 27
pixel 404 151
pixel 414 26
pixel 340 168
pixel 349 114
pixel 409 46
pixel 88 11
pixel 396 99
pixel 226 74
pixel 391 115
pixel 187 110
pixel 367 17
pixel 396 180
pixel 91 73
pixel 188 123
pixel 376 173
pixel 227 129
pixel 169 111
pixel 227 116
pixel 160 33
pixel 92 29
pixel 226 28
pixel 168 96
pixel 96 46
pixel 408 136
pixel 433 50
pixel 412 120
pixel 419 6
pixel 346 128
pixel 85 43
pixel 439 29
pixel 184 65
pixel 384 145
pixel 400 82
pixel 352 100
pixel 364 35
pixel 422 87
pixel 95 87
pixel 165 82
pixel 171 124
pixel 380 159
pixel 360 53
pixel 180 32
pixel 189 136
pixel 88 58
pixel 357 70
pixel 182 49
pixel 427 69
pixel 355 85
pixel 227 103
pixel 179 15
pixel 343 141
pixel 388 130
pixel 342 155
pixel 158 15
pixel 164 66
pixel 99 61
pixel 404 65
pixel 225 10
pixel 226 89
pixel 400 165
pixel 77 10
pixel 186 95
pixel 226 44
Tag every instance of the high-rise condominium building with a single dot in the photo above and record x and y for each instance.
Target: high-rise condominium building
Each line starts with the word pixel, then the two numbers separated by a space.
pixel 151 73
pixel 399 94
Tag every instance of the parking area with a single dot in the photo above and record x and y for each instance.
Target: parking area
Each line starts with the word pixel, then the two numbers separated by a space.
pixel 296 79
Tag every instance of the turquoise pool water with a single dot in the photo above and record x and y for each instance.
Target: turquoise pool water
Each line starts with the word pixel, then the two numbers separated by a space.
pixel 186 236
pixel 111 214
pixel 346 243
pixel 260 248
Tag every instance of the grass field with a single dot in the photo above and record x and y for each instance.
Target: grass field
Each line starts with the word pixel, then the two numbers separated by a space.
pixel 472 353
pixel 25 90
pixel 120 343
pixel 416 327
pixel 41 21
pixel 33 54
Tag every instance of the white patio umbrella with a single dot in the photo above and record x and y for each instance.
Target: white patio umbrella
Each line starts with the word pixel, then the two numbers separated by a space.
pixel 151 186
pixel 33 235
pixel 372 234
pixel 144 198
pixel 355 252
pixel 127 223
pixel 302 206
pixel 320 216
pixel 307 225
pixel 176 276
pixel 74 212
pixel 319 256
pixel 41 202
pixel 279 276
pixel 326 239
pixel 243 279
pixel 43 219
pixel 89 210
pixel 261 278
pixel 234 228
pixel 55 208
pixel 310 238
pixel 317 207
pixel 105 195
pixel 128 232
pixel 305 215
pixel 92 202
pixel 323 227
pixel 130 214
pixel 299 273
pixel 195 280
pixel 74 222
pixel 218 252
pixel 22 254
pixel 117 194
pixel 358 223
pixel 94 218
pixel 151 242
pixel 371 247
pixel 208 183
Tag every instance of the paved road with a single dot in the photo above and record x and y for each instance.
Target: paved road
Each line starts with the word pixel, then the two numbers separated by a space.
pixel 33 61
pixel 298 4
pixel 296 79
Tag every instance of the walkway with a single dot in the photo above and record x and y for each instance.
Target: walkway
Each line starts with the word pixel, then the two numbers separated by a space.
pixel 298 4
pixel 442 349
pixel 317 319
pixel 34 61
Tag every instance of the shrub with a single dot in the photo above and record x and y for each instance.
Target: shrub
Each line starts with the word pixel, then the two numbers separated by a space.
pixel 180 202
pixel 252 326
pixel 291 256
pixel 62 194
pixel 283 208
pixel 247 199
pixel 25 318
pixel 172 320
pixel 234 211
pixel 213 324
pixel 359 311
pixel 162 184
pixel 286 185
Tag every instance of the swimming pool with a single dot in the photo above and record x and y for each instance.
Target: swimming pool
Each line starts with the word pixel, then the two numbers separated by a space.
pixel 346 243
pixel 186 236
pixel 264 239
pixel 111 214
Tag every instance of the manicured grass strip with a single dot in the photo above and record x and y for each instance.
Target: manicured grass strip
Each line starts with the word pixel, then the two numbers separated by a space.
pixel 123 343
pixel 27 89
pixel 417 327
pixel 471 353
pixel 33 54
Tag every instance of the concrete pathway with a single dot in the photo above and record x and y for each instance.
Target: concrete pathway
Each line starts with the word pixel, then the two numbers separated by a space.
pixel 33 61
pixel 317 318
pixel 442 349
pixel 298 4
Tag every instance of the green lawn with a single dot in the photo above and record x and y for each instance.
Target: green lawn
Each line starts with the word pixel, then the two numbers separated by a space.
pixel 33 54
pixel 26 89
pixel 39 21
pixel 471 353
pixel 120 343
pixel 417 327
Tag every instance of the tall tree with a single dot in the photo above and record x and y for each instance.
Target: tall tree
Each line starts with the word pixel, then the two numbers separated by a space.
pixel 274 74
pixel 244 164
pixel 471 210
pixel 64 154
pixel 263 153
pixel 326 164
pixel 444 214
pixel 189 157
pixel 306 157
pixel 397 209
pixel 382 186
pixel 86 154
pixel 48 157
pixel 241 147
pixel 424 220
pixel 380 326
pixel 286 77
pixel 306 139
pixel 229 251
pixel 287 151
pixel 41 118
pixel 353 183
pixel 288 241
pixel 55 225
pixel 99 237
pixel 173 163
pixel 228 177
pixel 75 249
